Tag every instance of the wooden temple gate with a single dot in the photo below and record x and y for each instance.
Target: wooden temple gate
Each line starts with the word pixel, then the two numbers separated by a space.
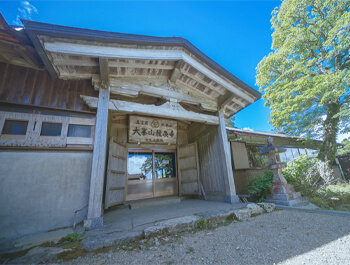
pixel 155 78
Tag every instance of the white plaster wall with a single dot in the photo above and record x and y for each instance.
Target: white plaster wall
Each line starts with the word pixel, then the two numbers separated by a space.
pixel 40 191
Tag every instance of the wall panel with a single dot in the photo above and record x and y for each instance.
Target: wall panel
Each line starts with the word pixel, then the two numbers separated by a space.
pixel 21 85
pixel 40 191
pixel 212 173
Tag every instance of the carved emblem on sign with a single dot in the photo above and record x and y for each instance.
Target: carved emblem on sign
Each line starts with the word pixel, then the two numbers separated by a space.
pixel 152 130
pixel 155 124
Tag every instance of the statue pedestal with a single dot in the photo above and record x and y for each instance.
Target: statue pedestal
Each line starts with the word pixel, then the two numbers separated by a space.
pixel 283 193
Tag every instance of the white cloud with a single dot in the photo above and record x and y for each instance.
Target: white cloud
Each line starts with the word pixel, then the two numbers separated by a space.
pixel 25 11
pixel 343 136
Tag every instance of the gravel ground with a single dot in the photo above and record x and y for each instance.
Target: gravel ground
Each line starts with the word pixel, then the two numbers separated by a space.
pixel 281 237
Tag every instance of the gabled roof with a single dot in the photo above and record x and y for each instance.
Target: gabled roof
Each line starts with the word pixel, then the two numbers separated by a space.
pixel 71 53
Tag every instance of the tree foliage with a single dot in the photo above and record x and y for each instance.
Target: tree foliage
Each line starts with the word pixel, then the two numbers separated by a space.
pixel 346 148
pixel 260 186
pixel 162 170
pixel 306 77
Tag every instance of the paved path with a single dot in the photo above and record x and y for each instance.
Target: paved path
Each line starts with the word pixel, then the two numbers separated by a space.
pixel 282 237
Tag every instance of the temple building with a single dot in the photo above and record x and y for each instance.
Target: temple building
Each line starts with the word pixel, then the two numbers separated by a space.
pixel 92 119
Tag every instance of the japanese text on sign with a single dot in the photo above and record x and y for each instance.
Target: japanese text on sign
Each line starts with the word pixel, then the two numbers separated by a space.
pixel 152 130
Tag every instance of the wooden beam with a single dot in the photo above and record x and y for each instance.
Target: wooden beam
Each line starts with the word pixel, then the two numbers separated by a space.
pixel 201 81
pixel 91 63
pixel 142 65
pixel 231 108
pixel 104 70
pixel 171 110
pixel 191 89
pixel 99 156
pixel 176 72
pixel 74 62
pixel 146 54
pixel 67 76
pixel 165 90
pixel 112 52
pixel 225 147
pixel 224 100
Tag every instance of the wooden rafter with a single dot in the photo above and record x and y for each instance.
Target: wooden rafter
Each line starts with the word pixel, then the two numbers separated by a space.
pixel 201 81
pixel 144 54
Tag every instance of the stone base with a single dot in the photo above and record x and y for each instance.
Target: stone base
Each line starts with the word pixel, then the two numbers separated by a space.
pixel 301 201
pixel 94 223
pixel 222 198
pixel 231 199
pixel 284 196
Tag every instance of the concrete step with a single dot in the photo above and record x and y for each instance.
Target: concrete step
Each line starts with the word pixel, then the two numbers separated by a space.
pixel 154 202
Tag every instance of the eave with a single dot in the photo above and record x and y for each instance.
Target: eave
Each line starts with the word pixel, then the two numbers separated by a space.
pixel 73 53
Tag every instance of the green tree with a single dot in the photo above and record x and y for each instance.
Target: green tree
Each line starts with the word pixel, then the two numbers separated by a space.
pixel 306 77
pixel 231 122
pixel 162 170
pixel 346 148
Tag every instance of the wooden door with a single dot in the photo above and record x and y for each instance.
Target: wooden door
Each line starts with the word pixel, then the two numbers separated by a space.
pixel 188 169
pixel 116 174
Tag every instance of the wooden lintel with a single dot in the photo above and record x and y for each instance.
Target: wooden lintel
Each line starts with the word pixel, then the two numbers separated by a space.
pixel 165 91
pixel 171 110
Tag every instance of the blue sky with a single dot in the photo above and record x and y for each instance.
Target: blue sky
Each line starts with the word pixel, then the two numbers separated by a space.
pixel 236 34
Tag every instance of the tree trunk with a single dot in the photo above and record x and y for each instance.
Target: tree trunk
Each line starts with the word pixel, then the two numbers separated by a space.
pixel 328 149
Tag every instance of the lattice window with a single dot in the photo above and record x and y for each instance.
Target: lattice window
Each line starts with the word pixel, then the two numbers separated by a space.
pixel 45 131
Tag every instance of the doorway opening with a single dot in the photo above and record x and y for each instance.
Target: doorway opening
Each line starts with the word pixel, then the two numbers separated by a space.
pixel 151 174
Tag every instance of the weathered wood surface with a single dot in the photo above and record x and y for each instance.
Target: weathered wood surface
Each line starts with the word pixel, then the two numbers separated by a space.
pixel 210 162
pixel 119 131
pixel 18 140
pixel 240 158
pixel 119 128
pixel 32 138
pixel 145 54
pixel 152 130
pixel 168 110
pixel 214 160
pixel 188 169
pixel 59 141
pixel 132 89
pixel 21 85
pixel 116 174
pixel 99 156
pixel 227 160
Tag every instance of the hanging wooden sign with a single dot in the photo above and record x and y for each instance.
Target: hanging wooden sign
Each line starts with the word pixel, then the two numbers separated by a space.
pixel 152 130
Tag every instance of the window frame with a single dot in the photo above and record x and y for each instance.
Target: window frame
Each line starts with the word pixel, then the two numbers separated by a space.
pixel 12 139
pixel 32 138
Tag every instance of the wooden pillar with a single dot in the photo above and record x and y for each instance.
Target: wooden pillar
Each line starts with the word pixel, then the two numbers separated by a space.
pixel 94 218
pixel 230 190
